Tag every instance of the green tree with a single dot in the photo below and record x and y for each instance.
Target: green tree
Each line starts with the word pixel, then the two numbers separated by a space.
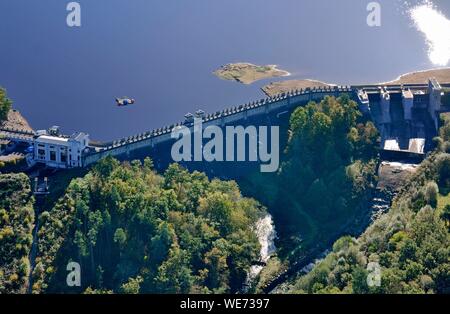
pixel 5 105
pixel 16 226
pixel 174 275
pixel 120 237
pixel 446 214
pixel 216 263
pixel 359 281
pixel 443 170
pixel 133 286
pixel 431 194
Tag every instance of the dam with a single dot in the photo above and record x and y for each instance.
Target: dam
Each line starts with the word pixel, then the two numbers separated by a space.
pixel 407 117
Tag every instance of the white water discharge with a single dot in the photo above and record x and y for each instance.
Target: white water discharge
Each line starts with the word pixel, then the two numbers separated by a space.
pixel 265 230
pixel 436 28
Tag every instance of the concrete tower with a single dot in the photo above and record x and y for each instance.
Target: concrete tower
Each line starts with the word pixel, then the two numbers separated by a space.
pixel 434 106
pixel 407 102
pixel 385 104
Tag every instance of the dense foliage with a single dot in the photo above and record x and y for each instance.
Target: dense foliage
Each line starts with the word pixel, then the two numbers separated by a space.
pixel 327 171
pixel 16 227
pixel 134 231
pixel 5 105
pixel 411 243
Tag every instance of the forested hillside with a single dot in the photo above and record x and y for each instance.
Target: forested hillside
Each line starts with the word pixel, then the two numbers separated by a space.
pixel 326 174
pixel 134 231
pixel 411 243
pixel 16 227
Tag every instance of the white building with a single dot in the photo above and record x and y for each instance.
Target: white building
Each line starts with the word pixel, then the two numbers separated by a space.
pixel 58 151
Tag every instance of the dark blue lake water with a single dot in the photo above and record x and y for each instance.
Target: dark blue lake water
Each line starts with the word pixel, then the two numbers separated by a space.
pixel 163 53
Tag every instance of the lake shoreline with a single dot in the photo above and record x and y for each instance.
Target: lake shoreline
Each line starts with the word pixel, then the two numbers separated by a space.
pixel 416 77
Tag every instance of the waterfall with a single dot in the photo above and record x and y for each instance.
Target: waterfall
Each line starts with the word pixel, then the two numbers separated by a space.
pixel 265 231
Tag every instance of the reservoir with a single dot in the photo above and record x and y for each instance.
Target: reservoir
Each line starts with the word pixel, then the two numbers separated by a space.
pixel 163 52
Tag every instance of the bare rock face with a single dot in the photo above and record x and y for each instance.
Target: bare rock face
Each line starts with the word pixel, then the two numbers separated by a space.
pixel 393 175
pixel 15 120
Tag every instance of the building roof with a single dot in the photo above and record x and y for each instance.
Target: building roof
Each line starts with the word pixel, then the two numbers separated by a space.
pixel 78 136
pixel 52 140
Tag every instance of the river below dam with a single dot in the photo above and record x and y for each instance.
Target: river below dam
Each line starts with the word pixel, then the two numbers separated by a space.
pixel 163 54
pixel 265 231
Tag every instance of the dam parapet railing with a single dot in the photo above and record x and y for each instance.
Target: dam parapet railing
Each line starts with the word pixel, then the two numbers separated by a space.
pixel 17 131
pixel 221 118
pixel 17 134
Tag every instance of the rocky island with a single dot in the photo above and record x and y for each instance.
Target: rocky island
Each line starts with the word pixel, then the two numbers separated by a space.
pixel 247 73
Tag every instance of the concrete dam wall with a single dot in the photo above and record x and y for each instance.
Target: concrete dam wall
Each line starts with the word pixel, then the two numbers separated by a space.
pixel 400 112
pixel 273 111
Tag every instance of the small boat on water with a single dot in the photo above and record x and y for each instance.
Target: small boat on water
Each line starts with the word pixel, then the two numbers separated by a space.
pixel 125 101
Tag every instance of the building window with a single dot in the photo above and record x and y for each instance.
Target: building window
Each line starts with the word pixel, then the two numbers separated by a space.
pixel 63 156
pixel 41 154
pixel 52 156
